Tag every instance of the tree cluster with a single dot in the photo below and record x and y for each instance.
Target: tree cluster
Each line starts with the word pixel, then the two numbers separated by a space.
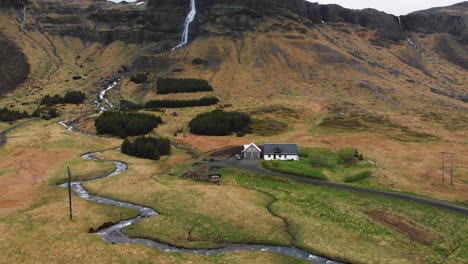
pixel 46 113
pixel 7 115
pixel 71 97
pixel 129 106
pixel 139 78
pixel 205 101
pixel 349 156
pixel 220 123
pixel 147 147
pixel 167 86
pixel 123 124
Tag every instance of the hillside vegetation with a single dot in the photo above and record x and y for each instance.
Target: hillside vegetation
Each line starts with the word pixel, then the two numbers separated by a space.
pixel 253 71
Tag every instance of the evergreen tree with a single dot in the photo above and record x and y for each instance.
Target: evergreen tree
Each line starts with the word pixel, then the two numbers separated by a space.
pixel 7 115
pixel 126 124
pixel 220 123
pixel 147 147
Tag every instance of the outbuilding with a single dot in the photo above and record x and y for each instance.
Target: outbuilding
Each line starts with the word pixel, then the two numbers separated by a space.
pixel 280 151
pixel 252 152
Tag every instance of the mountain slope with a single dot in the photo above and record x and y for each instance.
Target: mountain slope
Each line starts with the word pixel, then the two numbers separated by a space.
pixel 360 78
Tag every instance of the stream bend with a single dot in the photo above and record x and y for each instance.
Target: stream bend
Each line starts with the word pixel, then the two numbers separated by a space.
pixel 114 234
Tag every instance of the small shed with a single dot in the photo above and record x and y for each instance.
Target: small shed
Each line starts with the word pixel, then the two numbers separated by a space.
pixel 281 151
pixel 252 152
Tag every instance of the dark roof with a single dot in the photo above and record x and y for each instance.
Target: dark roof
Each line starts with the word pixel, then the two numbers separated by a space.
pixel 278 148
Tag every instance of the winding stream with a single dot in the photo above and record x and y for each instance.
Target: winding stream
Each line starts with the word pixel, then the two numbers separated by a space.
pixel 114 234
pixel 102 96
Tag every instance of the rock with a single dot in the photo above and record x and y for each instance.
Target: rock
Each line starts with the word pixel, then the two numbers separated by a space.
pixel 105 225
pixel 199 61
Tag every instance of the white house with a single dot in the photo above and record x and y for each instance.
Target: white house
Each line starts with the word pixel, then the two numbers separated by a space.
pixel 280 151
pixel 251 151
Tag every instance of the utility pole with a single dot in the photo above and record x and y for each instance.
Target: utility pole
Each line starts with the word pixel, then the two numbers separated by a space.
pixel 451 169
pixel 451 166
pixel 443 166
pixel 69 192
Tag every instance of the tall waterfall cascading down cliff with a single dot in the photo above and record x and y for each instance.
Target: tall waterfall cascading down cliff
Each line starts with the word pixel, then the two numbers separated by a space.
pixel 188 20
pixel 22 16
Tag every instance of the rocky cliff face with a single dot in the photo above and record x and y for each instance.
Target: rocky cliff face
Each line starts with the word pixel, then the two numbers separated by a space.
pixel 11 3
pixel 162 20
pixel 387 25
pixel 452 20
pixel 106 22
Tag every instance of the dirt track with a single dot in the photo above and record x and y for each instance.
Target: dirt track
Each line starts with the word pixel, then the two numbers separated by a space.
pixel 3 137
pixel 401 227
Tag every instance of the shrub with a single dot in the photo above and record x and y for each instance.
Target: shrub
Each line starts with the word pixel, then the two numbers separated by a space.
pixel 129 106
pixel 36 113
pixel 205 101
pixel 139 78
pixel 317 158
pixel 7 115
pixel 52 112
pixel 358 176
pixel 166 86
pixel 147 147
pixel 346 156
pixel 219 123
pixel 74 97
pixel 123 124
pixel 51 100
pixel 71 97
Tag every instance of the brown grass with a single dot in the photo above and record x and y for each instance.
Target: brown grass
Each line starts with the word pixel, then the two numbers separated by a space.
pixel 192 213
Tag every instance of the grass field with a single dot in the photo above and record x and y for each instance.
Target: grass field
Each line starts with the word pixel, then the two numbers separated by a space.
pixel 327 221
pixel 34 211
pixel 336 223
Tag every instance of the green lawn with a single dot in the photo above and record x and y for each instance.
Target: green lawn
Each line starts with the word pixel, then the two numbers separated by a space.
pixel 299 168
pixel 323 164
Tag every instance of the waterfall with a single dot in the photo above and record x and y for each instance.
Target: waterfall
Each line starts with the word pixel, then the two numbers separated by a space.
pixel 22 17
pixel 399 20
pixel 188 20
pixel 83 23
